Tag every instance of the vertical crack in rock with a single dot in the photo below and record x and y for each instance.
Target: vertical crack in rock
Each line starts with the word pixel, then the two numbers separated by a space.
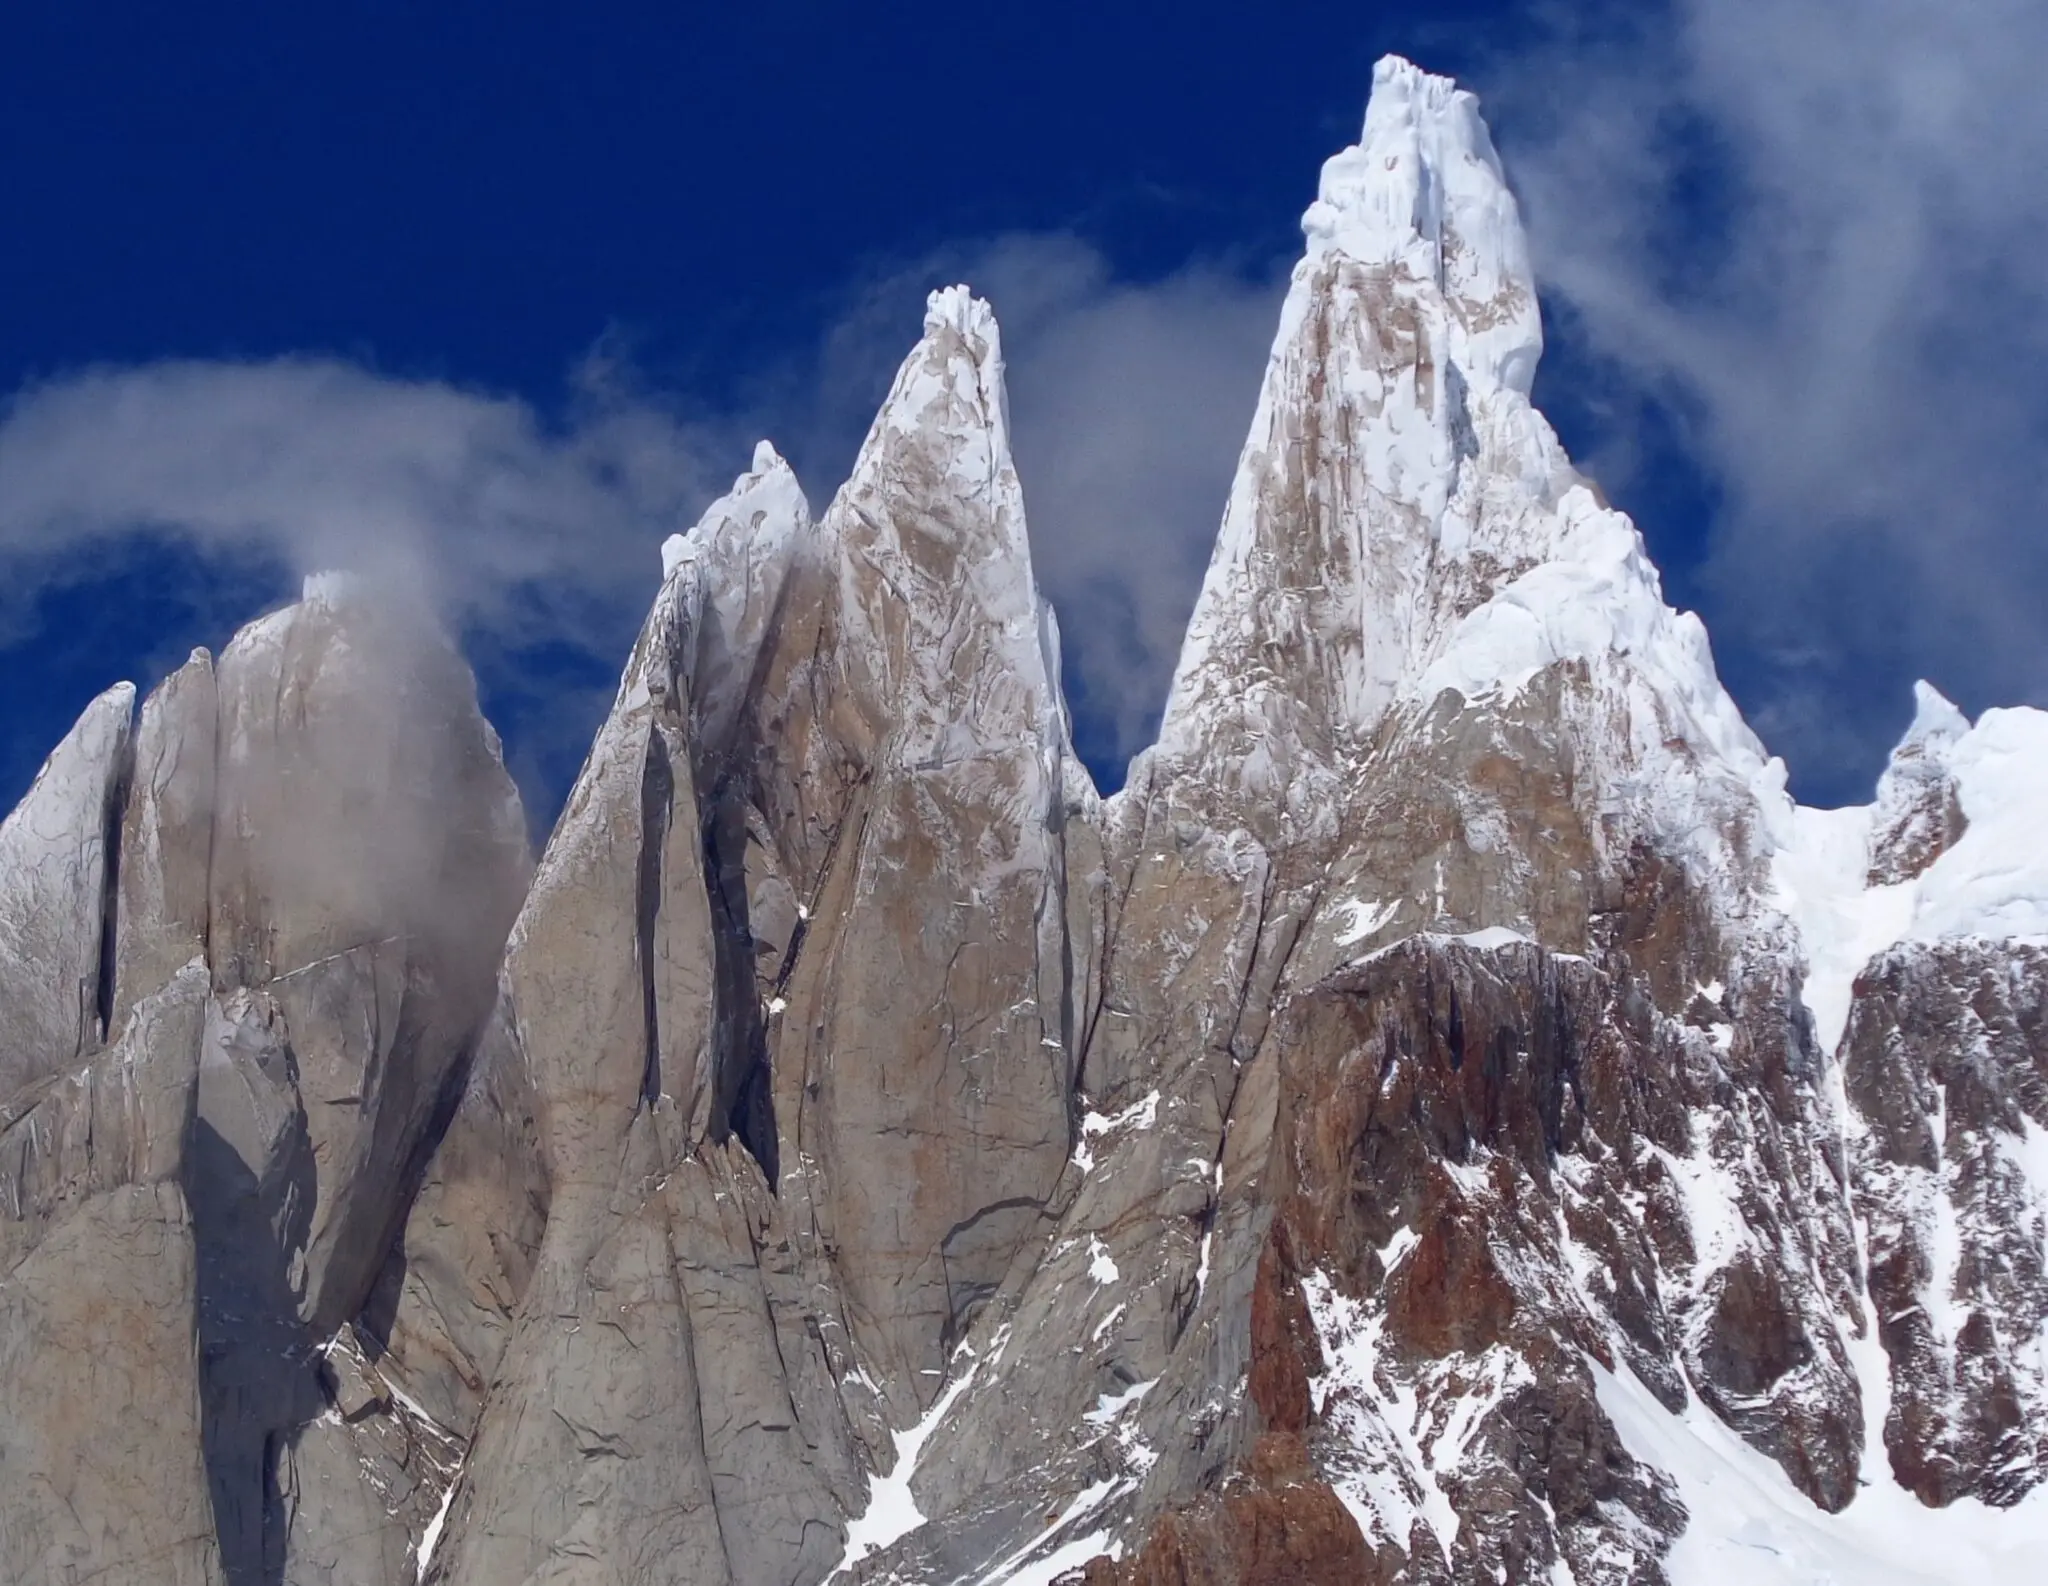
pixel 53 865
pixel 743 1100
pixel 112 823
pixel 657 810
pixel 249 1178
pixel 330 876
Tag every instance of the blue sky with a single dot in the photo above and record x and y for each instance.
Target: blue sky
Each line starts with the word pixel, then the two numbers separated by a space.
pixel 501 295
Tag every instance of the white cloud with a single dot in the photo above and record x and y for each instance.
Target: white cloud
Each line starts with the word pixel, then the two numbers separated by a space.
pixel 1815 229
pixel 465 501
pixel 536 541
pixel 1811 228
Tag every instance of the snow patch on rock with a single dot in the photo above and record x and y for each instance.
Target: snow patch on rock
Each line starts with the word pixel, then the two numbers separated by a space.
pixel 1364 919
pixel 892 1512
pixel 1402 1436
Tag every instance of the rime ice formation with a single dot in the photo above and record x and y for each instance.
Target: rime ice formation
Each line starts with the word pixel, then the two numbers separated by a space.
pixel 1450 1117
pixel 1422 194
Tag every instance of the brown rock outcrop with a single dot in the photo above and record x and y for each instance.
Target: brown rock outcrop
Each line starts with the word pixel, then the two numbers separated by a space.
pixel 1946 1067
pixel 1279 1525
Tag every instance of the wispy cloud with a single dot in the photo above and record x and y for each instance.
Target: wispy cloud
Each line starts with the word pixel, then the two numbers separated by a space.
pixel 466 501
pixel 535 539
pixel 1813 231
pixel 1808 231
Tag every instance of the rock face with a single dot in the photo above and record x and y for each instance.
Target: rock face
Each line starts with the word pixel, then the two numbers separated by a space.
pixel 923 1048
pixel 53 885
pixel 1946 1063
pixel 101 1468
pixel 1449 1100
pixel 282 896
pixel 659 1412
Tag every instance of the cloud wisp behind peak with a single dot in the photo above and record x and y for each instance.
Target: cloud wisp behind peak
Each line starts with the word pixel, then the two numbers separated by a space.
pixel 454 497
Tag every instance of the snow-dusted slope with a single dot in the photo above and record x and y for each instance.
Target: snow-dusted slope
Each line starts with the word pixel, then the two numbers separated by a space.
pixel 1747 1523
pixel 1412 588
pixel 1956 846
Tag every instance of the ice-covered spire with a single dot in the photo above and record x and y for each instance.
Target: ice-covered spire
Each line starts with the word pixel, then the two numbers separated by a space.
pixel 1404 526
pixel 1398 382
pixel 956 308
pixel 725 579
pixel 766 500
pixel 1936 720
pixel 1422 192
pixel 954 376
pixel 1918 815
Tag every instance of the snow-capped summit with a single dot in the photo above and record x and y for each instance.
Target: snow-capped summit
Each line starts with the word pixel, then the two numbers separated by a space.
pixel 1422 193
pixel 1404 523
pixel 931 525
pixel 1410 330
pixel 767 493
pixel 958 309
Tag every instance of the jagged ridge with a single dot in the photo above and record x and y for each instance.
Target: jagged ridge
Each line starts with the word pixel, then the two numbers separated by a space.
pixel 1450 1117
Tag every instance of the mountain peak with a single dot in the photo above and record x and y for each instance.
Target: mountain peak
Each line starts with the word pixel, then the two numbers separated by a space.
pixel 956 308
pixel 930 526
pixel 1935 719
pixel 332 587
pixel 874 1155
pixel 1446 543
pixel 766 498
pixel 53 865
pixel 1422 192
